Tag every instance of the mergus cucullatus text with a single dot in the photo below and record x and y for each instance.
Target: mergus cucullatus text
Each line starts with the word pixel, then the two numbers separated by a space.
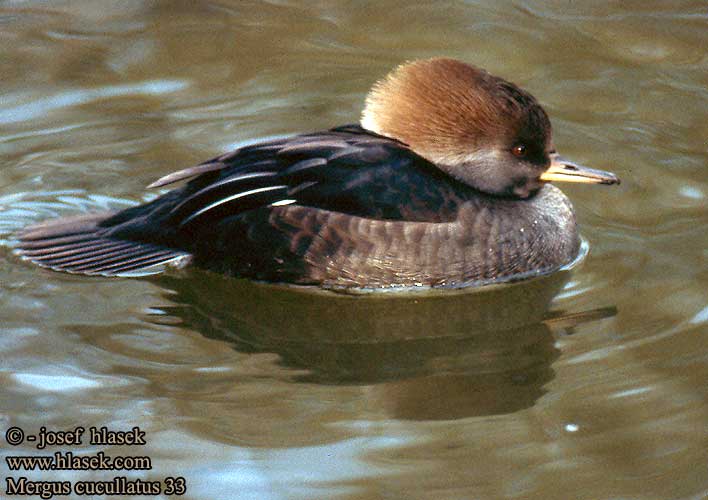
pixel 443 183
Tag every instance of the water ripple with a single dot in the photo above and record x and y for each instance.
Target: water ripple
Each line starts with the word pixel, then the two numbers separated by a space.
pixel 40 106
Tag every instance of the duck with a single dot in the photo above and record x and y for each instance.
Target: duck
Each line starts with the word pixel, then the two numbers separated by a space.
pixel 446 181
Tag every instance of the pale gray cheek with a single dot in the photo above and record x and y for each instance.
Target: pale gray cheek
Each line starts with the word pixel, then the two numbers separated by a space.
pixel 492 173
pixel 486 176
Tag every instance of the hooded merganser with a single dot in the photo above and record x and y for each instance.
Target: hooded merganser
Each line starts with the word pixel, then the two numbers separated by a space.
pixel 444 182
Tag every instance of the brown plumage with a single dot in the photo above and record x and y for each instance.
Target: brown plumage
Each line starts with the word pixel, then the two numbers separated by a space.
pixel 446 110
pixel 443 184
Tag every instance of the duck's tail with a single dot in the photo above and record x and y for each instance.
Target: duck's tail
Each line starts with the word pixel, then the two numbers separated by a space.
pixel 80 245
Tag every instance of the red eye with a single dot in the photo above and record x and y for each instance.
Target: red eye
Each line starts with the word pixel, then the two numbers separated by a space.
pixel 519 150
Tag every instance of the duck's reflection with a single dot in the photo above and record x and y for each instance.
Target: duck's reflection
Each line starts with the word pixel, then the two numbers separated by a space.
pixel 439 355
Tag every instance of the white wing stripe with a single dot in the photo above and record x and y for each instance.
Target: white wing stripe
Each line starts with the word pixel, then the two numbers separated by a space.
pixel 228 199
pixel 223 182
pixel 282 202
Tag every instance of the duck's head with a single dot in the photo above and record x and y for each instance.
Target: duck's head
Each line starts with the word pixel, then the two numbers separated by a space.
pixel 480 129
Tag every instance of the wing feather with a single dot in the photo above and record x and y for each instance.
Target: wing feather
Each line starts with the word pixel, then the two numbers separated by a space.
pixel 213 192
pixel 186 174
pixel 254 197
pixel 346 169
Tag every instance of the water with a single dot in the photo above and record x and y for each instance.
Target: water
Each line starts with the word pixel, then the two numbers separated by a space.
pixel 250 391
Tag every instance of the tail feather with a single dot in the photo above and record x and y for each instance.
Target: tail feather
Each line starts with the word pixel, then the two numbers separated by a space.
pixel 36 243
pixel 80 245
pixel 99 252
pixel 64 227
pixel 144 261
pixel 62 250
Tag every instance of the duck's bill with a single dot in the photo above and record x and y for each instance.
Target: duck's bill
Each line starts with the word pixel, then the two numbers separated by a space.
pixel 562 170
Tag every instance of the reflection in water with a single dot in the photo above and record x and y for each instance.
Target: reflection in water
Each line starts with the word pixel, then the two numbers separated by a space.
pixel 426 355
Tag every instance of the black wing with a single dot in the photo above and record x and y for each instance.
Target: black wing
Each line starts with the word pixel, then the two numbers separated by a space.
pixel 346 170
